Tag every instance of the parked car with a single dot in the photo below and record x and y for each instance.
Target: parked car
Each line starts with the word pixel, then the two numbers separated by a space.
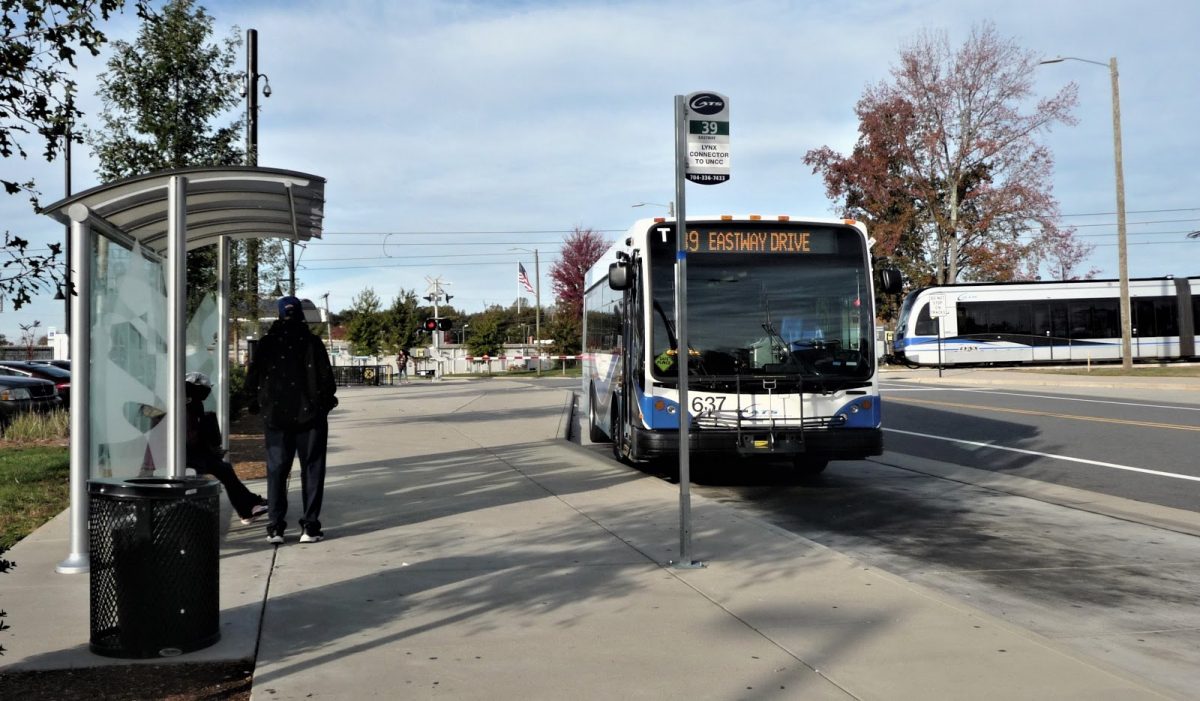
pixel 19 394
pixel 61 378
pixel 64 364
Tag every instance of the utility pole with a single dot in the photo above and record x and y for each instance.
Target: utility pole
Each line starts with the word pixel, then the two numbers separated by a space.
pixel 1118 166
pixel 537 315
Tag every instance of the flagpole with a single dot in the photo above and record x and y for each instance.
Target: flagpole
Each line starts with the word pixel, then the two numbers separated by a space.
pixel 518 291
pixel 537 324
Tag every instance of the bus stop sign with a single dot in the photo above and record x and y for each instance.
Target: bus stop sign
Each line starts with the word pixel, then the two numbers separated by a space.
pixel 707 121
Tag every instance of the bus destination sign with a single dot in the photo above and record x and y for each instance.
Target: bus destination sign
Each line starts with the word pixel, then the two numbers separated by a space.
pixel 766 241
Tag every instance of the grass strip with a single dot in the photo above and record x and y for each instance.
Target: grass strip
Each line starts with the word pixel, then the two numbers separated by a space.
pixel 1108 371
pixel 34 488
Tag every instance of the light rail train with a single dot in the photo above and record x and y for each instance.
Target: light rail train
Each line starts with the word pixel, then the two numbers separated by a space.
pixel 1047 322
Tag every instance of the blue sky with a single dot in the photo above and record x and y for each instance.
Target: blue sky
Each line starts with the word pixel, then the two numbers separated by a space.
pixel 451 132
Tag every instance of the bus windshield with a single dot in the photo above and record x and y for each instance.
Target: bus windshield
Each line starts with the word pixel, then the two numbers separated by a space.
pixel 802 312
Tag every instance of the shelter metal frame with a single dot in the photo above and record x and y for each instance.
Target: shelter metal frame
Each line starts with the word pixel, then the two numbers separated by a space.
pixel 168 213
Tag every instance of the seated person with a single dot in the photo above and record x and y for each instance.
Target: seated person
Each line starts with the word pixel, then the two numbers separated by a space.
pixel 204 453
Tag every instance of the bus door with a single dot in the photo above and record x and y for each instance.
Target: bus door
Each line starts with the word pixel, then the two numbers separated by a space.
pixel 1049 340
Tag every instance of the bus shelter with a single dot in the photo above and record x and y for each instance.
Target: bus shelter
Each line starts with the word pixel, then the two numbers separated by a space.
pixel 133 339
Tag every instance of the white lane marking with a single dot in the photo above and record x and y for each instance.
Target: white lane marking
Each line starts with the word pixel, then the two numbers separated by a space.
pixel 1038 396
pixel 1052 456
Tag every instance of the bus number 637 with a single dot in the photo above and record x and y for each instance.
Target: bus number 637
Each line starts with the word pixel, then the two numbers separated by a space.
pixel 701 405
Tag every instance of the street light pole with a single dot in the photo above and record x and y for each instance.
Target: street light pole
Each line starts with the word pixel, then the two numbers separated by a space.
pixel 1122 248
pixel 670 206
pixel 250 91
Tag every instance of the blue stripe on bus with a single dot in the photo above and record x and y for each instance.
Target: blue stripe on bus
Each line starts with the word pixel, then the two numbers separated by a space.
pixel 659 419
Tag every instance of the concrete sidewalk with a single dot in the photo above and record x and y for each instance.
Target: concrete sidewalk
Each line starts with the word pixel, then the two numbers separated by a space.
pixel 473 553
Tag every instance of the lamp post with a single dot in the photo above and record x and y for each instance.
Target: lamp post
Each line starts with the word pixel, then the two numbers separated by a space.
pixel 537 298
pixel 1122 249
pixel 250 92
pixel 670 206
pixel 66 298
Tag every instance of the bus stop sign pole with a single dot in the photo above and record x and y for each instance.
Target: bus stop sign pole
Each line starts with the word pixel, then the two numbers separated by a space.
pixel 702 156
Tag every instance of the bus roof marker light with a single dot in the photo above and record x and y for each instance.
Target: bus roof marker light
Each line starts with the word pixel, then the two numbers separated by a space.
pixel 659 220
pixel 784 217
pixel 726 217
pixel 755 217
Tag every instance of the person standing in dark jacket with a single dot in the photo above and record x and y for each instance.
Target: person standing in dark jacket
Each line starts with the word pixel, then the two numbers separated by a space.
pixel 293 385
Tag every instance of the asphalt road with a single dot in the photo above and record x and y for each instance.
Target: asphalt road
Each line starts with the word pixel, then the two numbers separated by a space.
pixel 1139 448
pixel 949 506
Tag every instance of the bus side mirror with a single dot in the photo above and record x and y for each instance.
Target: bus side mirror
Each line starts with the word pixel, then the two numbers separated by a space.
pixel 618 276
pixel 890 281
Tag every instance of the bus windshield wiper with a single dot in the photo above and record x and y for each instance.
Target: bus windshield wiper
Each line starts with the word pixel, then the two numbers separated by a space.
pixel 671 339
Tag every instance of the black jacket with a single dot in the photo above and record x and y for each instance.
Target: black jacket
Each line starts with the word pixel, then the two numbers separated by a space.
pixel 291 377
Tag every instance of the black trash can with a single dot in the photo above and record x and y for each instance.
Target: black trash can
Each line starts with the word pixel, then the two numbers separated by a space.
pixel 155 556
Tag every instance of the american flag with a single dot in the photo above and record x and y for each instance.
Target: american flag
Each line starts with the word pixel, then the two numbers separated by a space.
pixel 523 278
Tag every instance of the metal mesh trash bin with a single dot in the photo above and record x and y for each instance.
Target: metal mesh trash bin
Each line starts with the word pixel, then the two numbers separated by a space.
pixel 155 550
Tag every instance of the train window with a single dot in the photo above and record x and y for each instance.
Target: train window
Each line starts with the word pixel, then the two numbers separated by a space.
pixel 1006 318
pixel 1095 318
pixel 972 318
pixel 925 325
pixel 1156 316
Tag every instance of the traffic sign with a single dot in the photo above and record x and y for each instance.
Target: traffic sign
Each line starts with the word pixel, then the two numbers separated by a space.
pixel 937 305
pixel 707 118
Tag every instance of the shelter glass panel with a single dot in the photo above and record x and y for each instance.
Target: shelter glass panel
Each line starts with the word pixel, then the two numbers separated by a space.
pixel 129 362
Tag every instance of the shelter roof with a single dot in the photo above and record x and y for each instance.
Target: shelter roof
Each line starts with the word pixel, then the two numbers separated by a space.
pixel 235 201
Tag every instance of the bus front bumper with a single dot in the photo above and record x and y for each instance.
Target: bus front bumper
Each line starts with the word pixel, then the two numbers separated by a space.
pixel 831 444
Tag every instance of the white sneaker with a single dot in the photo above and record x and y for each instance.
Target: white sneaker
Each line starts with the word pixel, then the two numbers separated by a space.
pixel 311 537
pixel 276 538
pixel 255 513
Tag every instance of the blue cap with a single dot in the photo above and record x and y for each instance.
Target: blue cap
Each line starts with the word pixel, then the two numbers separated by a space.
pixel 290 306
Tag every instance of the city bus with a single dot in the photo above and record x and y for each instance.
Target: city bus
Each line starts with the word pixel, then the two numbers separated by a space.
pixel 781 353
pixel 1047 322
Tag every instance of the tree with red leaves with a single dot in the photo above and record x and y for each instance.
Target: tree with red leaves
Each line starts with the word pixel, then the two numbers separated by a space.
pixel 581 249
pixel 1064 253
pixel 946 172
